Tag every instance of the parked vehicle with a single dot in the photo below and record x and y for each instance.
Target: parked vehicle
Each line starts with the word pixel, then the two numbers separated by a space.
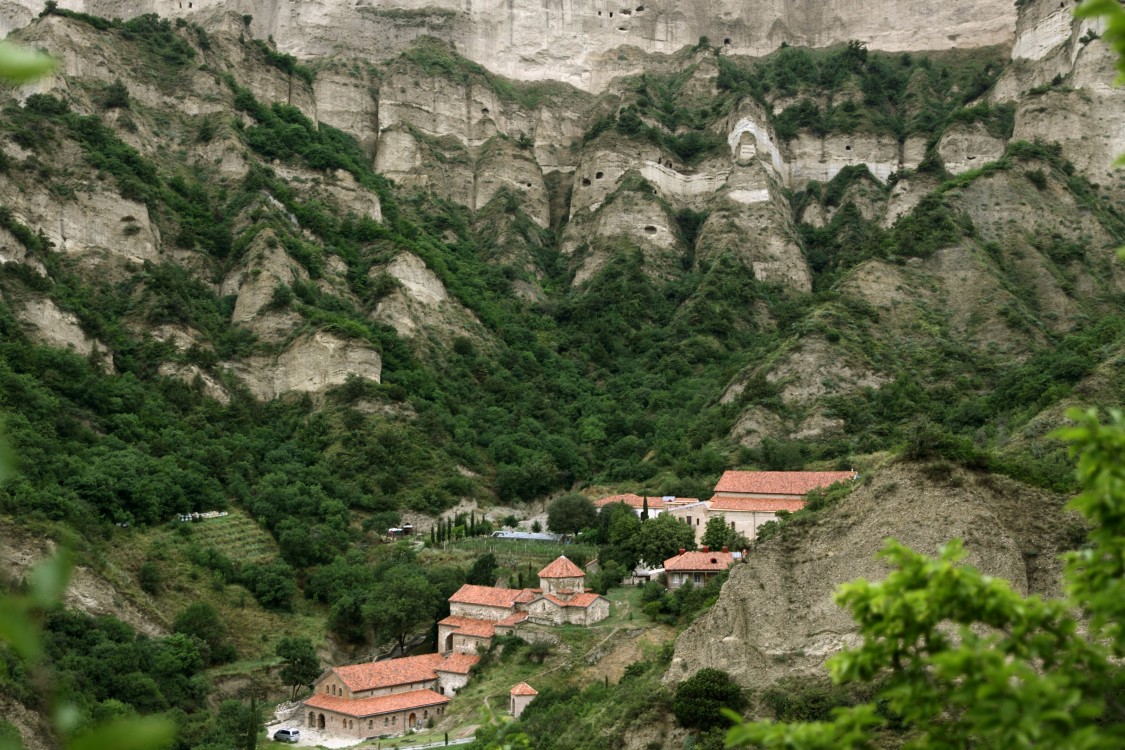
pixel 287 735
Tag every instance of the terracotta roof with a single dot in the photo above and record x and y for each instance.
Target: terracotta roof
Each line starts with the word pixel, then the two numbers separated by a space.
pixel 379 674
pixel 470 626
pixel 633 501
pixel 489 596
pixel 384 704
pixel 706 561
pixel 456 663
pixel 578 600
pixel 760 504
pixel 513 619
pixel 523 689
pixel 561 568
pixel 779 482
pixel 655 502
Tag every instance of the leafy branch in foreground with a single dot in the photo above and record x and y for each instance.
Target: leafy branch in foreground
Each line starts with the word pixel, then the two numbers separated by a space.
pixel 965 661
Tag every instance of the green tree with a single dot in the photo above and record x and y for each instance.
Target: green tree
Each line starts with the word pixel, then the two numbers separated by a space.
pixel 116 96
pixel 719 534
pixel 663 537
pixel 483 572
pixel 300 665
pixel 201 620
pixel 271 583
pixel 570 514
pixel 150 578
pixel 700 699
pixel 400 603
pixel 961 660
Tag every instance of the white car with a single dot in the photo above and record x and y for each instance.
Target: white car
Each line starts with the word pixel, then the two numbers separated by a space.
pixel 287 735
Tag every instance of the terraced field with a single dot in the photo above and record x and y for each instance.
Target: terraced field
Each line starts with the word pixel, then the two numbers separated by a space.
pixel 236 536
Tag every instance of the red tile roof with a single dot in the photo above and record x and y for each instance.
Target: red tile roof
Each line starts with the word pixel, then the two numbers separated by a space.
pixel 561 568
pixel 489 596
pixel 633 501
pixel 384 704
pixel 471 626
pixel 380 674
pixel 655 502
pixel 704 561
pixel 759 504
pixel 511 620
pixel 578 600
pixel 779 482
pixel 523 689
pixel 456 663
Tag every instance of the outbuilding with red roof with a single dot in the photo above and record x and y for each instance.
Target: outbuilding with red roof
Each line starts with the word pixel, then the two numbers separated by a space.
pixel 696 568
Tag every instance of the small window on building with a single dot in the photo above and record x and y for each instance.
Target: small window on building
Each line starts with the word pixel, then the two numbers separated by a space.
pixel 386 721
pixel 370 724
pixel 732 525
pixel 689 520
pixel 697 522
pixel 697 577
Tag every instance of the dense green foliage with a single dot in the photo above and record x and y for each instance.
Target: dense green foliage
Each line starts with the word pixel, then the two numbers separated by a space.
pixel 699 700
pixel 570 514
pixel 300 665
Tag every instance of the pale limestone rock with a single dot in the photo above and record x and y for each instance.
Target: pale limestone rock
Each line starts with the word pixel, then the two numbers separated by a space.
pixel 423 306
pixel 504 165
pixel 1041 28
pixel 684 188
pixel 639 221
pixel 575 42
pixel 313 363
pixel 817 425
pixel 904 196
pixel 969 146
pixel 815 368
pixel 193 374
pixel 266 268
pixel 759 235
pixel 813 158
pixel 398 153
pixel 95 225
pixel 51 326
pixel 755 424
pixel 13 251
pixel 750 137
pixel 345 99
pixel 1086 114
pixel 419 282
pixel 350 196
pixel 180 336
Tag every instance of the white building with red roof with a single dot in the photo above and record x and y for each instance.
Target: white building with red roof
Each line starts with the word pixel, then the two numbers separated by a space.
pixel 696 568
pixel 477 614
pixel 748 499
pixel 386 697
pixel 519 696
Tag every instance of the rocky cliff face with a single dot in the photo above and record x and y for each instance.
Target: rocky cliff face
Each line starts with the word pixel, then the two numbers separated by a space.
pixel 574 41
